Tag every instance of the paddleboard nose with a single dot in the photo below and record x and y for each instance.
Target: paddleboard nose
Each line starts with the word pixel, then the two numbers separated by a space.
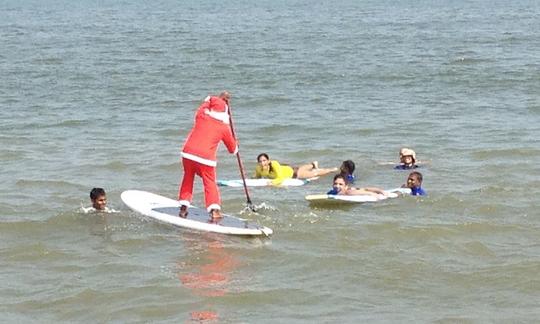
pixel 267 231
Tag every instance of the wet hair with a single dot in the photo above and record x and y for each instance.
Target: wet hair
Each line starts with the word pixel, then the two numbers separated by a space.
pixel 266 156
pixel 417 174
pixel 262 154
pixel 96 192
pixel 340 176
pixel 349 166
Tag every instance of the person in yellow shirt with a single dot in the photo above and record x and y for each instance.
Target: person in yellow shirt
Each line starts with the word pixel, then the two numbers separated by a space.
pixel 272 169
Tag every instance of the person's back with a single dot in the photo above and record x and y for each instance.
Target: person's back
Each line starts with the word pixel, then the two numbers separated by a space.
pixel 199 153
pixel 203 144
pixel 208 131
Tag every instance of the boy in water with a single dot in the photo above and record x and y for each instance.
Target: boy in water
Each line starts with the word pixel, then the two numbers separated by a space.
pixel 99 199
pixel 341 187
pixel 414 182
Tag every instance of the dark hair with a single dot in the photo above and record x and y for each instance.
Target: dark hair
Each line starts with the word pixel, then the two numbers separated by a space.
pixel 349 166
pixel 340 176
pixel 262 154
pixel 418 174
pixel 266 156
pixel 96 192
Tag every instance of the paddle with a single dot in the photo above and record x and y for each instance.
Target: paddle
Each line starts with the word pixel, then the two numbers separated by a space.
pixel 240 166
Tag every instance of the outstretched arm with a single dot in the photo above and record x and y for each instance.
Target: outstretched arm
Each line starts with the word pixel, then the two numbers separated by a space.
pixel 279 173
pixel 370 191
pixel 375 190
pixel 258 172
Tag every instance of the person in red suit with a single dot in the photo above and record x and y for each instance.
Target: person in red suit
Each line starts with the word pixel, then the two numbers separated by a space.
pixel 212 126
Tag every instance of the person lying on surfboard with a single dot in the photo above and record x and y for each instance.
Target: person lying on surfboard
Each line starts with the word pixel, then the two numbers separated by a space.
pixel 342 187
pixel 279 172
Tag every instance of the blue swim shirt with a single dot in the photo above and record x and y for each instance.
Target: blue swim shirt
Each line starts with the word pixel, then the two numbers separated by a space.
pixel 418 191
pixel 334 191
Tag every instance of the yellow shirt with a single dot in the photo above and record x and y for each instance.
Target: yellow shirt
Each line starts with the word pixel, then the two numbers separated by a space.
pixel 277 172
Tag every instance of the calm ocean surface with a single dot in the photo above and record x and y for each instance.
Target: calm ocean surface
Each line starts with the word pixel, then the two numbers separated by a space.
pixel 102 93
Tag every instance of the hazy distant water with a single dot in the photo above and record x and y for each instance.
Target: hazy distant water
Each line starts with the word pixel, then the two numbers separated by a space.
pixel 103 94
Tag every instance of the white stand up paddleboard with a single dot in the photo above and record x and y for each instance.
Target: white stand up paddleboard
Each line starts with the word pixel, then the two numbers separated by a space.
pixel 393 193
pixel 166 210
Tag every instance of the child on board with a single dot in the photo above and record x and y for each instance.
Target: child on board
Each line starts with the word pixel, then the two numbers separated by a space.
pixel 272 169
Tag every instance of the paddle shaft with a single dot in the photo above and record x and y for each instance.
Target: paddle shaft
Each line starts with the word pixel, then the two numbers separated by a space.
pixel 240 165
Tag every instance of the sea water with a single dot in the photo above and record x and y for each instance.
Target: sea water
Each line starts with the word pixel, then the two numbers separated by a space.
pixel 102 94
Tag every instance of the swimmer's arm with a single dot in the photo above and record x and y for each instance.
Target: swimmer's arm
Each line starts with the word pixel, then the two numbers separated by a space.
pixel 376 190
pixel 278 170
pixel 357 192
pixel 258 174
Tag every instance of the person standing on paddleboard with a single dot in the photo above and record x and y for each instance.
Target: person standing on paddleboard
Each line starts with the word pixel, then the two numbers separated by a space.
pixel 212 126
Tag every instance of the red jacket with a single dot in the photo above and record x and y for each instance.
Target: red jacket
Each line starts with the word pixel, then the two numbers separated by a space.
pixel 211 127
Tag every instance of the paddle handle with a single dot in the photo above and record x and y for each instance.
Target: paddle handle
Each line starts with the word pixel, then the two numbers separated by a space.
pixel 240 164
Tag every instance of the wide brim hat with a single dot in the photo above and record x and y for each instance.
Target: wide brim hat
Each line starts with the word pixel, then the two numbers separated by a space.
pixel 408 152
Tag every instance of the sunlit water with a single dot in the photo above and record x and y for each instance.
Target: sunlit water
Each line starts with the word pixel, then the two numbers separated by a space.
pixel 103 94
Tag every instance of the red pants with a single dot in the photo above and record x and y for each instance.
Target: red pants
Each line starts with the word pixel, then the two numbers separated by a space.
pixel 208 175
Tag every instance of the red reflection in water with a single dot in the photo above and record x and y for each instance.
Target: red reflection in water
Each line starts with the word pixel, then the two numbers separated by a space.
pixel 210 279
pixel 204 316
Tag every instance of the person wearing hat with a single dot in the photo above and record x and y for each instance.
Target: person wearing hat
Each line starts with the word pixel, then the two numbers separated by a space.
pixel 199 157
pixel 407 159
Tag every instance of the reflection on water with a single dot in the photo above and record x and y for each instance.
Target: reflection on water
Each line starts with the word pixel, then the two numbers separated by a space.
pixel 204 316
pixel 210 276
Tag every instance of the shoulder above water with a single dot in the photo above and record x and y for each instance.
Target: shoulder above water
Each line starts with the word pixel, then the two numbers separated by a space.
pixel 404 167
pixel 90 210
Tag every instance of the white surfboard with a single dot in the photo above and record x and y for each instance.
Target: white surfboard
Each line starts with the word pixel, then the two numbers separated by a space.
pixel 263 182
pixel 166 210
pixel 393 193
